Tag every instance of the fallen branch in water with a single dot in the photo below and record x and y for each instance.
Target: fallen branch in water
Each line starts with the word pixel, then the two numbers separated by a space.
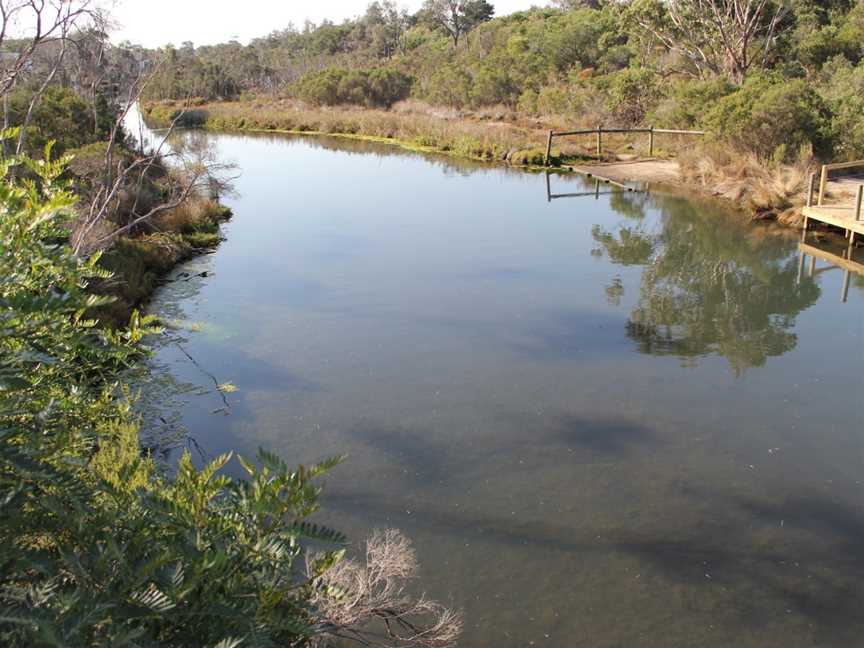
pixel 220 387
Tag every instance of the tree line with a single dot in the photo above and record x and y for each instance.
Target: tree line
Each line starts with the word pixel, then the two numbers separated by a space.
pixel 730 66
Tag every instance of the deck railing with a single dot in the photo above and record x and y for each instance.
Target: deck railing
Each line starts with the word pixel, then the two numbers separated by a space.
pixel 823 181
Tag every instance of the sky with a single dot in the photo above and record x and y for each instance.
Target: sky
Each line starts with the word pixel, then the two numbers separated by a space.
pixel 157 22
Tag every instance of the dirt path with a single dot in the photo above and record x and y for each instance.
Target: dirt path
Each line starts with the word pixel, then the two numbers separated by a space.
pixel 660 171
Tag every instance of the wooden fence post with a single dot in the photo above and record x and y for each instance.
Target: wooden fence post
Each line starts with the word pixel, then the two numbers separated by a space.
pixel 549 147
pixel 859 199
pixel 811 179
pixel 823 184
pixel 600 140
pixel 650 141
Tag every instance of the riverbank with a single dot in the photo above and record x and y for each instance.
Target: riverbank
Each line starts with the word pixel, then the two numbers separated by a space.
pixel 765 191
pixel 140 263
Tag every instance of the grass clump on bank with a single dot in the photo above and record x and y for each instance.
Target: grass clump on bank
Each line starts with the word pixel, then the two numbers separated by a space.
pixel 770 190
pixel 139 263
pixel 486 136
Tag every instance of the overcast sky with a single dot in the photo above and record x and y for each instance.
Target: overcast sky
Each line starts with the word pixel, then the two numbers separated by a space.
pixel 158 22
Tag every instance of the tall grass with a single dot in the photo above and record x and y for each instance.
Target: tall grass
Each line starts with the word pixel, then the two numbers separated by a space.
pixel 495 133
pixel 767 188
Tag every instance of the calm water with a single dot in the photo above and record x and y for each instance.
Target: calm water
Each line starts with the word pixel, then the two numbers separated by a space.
pixel 619 421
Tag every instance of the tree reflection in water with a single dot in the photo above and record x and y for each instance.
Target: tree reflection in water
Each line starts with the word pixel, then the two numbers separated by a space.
pixel 705 290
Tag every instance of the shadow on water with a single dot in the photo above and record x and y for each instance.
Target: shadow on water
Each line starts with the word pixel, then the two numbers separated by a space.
pixel 610 438
pixel 804 555
pixel 420 452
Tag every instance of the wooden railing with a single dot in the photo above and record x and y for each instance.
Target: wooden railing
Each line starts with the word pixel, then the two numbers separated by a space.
pixel 823 186
pixel 823 180
pixel 600 130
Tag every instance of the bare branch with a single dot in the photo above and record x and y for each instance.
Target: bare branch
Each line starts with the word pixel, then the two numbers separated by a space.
pixel 372 606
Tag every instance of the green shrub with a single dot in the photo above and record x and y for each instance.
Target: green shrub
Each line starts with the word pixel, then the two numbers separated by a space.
pixel 62 117
pixel 687 102
pixel 768 112
pixel 493 85
pixel 554 100
pixel 527 103
pixel 844 93
pixel 632 93
pixel 378 87
pixel 449 86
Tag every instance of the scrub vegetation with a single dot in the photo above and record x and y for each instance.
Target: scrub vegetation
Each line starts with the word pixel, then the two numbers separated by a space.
pixel 779 81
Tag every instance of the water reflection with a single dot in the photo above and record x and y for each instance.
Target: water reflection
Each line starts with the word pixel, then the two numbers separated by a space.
pixel 846 258
pixel 706 289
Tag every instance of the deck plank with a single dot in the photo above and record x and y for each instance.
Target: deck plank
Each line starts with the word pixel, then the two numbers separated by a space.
pixel 838 216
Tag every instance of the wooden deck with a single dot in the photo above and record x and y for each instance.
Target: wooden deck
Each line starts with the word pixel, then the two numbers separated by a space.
pixel 849 217
pixel 842 216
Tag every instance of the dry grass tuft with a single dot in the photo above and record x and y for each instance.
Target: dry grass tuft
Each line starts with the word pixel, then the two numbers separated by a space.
pixel 367 601
pixel 769 189
pixel 193 215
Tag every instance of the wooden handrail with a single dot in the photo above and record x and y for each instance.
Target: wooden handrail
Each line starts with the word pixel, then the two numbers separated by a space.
pixel 827 168
pixel 845 165
pixel 598 132
pixel 672 131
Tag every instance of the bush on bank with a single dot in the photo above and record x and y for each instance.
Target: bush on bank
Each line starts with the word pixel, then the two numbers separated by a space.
pixel 770 116
pixel 375 88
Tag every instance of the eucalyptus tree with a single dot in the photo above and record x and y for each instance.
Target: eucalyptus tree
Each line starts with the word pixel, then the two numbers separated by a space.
pixel 714 37
pixel 456 17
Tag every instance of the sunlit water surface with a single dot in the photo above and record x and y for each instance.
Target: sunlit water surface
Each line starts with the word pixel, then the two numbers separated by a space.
pixel 604 421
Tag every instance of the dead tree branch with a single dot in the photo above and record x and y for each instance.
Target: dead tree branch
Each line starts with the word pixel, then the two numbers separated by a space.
pixel 371 605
